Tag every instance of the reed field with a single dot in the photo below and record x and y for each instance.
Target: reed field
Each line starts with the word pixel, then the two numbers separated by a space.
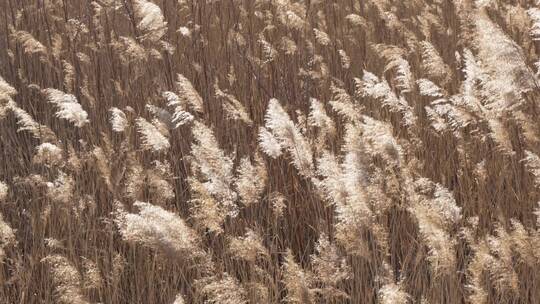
pixel 269 151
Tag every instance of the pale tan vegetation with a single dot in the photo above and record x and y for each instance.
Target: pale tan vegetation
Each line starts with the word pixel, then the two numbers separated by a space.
pixel 269 151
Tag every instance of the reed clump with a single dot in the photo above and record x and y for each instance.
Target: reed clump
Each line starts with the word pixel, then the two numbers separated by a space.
pixel 288 151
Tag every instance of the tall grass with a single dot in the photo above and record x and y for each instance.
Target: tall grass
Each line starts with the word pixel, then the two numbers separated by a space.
pixel 288 151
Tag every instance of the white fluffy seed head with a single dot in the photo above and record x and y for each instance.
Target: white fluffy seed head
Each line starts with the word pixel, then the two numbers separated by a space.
pixel 118 120
pixel 68 107
pixel 151 20
pixel 157 228
pixel 48 154
pixel 152 139
pixel 269 143
pixel 3 191
pixel 289 136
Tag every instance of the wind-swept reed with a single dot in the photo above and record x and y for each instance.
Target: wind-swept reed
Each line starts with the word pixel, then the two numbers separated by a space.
pixel 287 151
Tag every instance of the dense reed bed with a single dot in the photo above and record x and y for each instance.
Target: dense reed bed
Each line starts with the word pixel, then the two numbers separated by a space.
pixel 287 151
